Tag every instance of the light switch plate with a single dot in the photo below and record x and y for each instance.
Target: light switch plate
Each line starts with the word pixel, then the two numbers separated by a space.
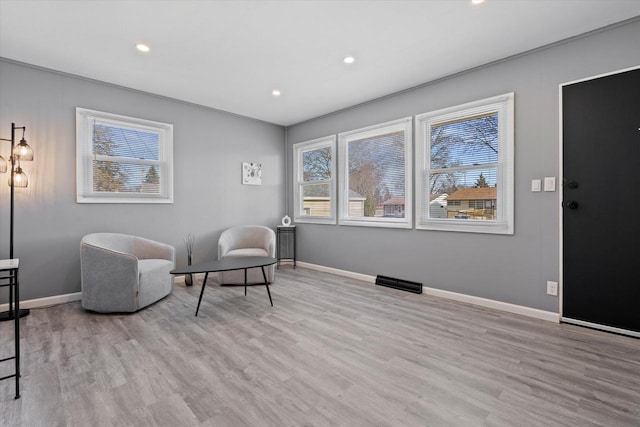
pixel 549 183
pixel 535 185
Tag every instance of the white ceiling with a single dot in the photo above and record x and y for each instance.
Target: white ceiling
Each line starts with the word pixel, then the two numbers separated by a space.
pixel 230 55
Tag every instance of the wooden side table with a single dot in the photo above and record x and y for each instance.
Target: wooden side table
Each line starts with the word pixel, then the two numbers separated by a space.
pixel 9 277
pixel 286 243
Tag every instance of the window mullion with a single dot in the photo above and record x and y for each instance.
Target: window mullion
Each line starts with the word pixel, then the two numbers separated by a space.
pixel 463 168
pixel 106 158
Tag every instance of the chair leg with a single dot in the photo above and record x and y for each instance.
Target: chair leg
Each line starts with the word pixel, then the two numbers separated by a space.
pixel 204 283
pixel 264 275
pixel 245 282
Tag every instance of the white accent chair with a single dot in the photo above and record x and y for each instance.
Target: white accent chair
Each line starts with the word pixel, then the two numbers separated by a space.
pixel 122 273
pixel 247 240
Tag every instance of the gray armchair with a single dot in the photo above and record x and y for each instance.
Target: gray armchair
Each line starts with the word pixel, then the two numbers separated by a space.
pixel 247 240
pixel 122 273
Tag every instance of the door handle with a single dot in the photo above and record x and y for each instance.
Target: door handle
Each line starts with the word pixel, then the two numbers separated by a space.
pixel 571 204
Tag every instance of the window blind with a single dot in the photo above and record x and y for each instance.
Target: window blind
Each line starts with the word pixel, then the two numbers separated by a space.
pixel 376 175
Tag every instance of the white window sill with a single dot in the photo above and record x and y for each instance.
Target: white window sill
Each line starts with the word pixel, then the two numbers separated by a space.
pixel 404 223
pixel 465 226
pixel 314 220
pixel 108 199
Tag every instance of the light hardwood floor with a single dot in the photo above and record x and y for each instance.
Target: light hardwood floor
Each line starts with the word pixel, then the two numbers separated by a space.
pixel 332 351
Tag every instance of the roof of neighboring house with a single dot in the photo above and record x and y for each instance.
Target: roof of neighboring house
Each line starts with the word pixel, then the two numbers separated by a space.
pixel 394 201
pixel 354 195
pixel 438 199
pixel 482 193
pixel 442 196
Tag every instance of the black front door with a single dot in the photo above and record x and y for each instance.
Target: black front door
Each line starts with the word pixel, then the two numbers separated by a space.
pixel 601 206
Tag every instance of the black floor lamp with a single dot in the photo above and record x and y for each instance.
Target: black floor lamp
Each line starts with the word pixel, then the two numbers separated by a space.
pixel 17 178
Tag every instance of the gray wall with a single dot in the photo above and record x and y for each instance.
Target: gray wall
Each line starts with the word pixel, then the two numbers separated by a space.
pixel 209 147
pixel 514 268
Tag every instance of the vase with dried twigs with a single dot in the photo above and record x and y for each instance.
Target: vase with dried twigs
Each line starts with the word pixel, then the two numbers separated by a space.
pixel 189 242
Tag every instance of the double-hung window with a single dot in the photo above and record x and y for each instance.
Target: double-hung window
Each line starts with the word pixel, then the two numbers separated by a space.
pixel 314 181
pixel 464 167
pixel 123 159
pixel 375 175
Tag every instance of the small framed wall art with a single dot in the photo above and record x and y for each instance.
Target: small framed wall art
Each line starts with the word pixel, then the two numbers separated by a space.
pixel 252 173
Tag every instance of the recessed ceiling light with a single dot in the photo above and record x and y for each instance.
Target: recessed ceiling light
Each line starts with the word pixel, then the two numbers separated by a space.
pixel 275 92
pixel 349 59
pixel 477 1
pixel 143 47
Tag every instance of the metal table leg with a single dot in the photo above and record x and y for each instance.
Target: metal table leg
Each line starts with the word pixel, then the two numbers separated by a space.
pixel 267 285
pixel 204 283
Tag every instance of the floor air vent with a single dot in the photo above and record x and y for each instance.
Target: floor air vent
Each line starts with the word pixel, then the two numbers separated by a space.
pixel 403 285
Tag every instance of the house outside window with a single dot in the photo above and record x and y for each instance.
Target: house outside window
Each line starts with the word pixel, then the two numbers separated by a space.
pixel 375 175
pixel 465 159
pixel 465 202
pixel 123 159
pixel 394 207
pixel 314 181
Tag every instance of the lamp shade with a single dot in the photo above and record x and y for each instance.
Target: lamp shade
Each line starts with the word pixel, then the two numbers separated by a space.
pixel 19 178
pixel 23 150
pixel 3 165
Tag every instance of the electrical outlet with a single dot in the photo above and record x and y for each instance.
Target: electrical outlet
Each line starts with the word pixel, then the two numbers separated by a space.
pixel 552 288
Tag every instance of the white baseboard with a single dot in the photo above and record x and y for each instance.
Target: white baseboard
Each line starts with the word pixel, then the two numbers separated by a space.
pixel 470 299
pixel 46 301
pixel 496 305
pixel 61 299
pixel 337 272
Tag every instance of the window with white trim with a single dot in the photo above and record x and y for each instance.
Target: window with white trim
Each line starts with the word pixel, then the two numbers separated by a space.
pixel 314 181
pixel 375 175
pixel 464 167
pixel 123 159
